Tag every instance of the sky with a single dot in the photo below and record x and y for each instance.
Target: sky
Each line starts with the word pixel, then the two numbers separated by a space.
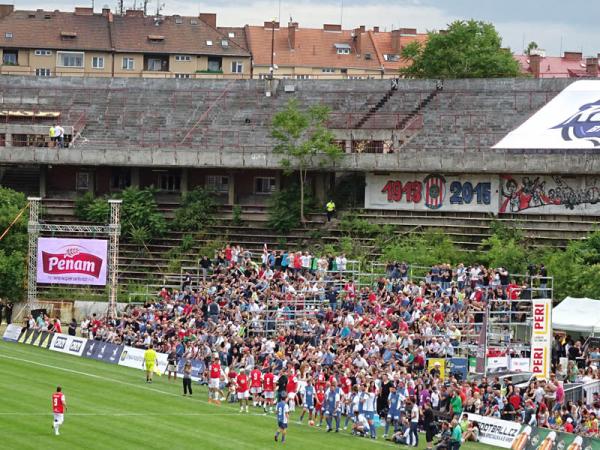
pixel 550 23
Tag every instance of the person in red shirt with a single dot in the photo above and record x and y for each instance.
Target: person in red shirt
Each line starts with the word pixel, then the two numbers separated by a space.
pixel 269 390
pixel 59 406
pixel 243 390
pixel 256 387
pixel 56 326
pixel 319 402
pixel 292 389
pixel 214 381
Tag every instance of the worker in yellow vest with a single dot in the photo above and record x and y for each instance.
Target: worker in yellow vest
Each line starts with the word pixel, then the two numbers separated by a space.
pixel 52 134
pixel 330 207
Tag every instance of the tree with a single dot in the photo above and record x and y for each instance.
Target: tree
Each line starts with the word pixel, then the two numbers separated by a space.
pixel 196 211
pixel 301 135
pixel 13 246
pixel 468 49
pixel 531 47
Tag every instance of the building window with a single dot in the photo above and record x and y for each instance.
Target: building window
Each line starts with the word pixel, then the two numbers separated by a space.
pixel 264 185
pixel 43 52
pixel 182 58
pixel 224 43
pixel 328 70
pixel 215 64
pixel 8 35
pixel 42 72
pixel 82 181
pixel 169 182
pixel 127 64
pixel 237 67
pixel 217 183
pixel 209 43
pixel 302 77
pixel 98 62
pixel 343 51
pixel 68 59
pixel 10 57
pixel 120 181
pixel 231 34
pixel 391 58
pixel 182 75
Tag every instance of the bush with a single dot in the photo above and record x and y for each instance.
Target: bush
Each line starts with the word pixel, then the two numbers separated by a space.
pixel 284 209
pixel 12 275
pixel 502 252
pixel 140 216
pixel 13 247
pixel 197 210
pixel 236 218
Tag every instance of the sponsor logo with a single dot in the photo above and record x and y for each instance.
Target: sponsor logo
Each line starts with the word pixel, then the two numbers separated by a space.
pixel 584 124
pixel 60 342
pixel 75 346
pixel 124 355
pixel 72 261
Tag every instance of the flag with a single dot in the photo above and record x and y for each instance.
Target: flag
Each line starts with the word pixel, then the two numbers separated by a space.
pixel 435 190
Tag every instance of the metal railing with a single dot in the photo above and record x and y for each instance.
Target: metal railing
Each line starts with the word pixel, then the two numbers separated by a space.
pixel 582 391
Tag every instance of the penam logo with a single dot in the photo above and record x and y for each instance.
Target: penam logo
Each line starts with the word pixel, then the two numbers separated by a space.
pixel 584 124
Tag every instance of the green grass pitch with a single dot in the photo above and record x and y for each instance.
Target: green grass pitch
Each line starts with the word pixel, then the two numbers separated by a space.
pixel 111 407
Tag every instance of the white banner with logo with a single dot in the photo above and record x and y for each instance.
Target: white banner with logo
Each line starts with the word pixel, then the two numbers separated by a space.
pixel 12 332
pixel 496 363
pixel 65 343
pixel 432 192
pixel 72 261
pixel 569 120
pixel 134 358
pixel 520 365
pixel 499 433
pixel 541 337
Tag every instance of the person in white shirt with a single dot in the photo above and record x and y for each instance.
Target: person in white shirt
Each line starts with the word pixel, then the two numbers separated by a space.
pixel 414 423
pixel 361 424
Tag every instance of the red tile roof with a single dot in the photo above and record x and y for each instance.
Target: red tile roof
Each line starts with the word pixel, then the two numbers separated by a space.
pixel 384 42
pixel 555 66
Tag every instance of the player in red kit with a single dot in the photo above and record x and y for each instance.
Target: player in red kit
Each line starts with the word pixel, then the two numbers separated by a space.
pixel 292 389
pixel 243 389
pixel 269 390
pixel 319 403
pixel 256 386
pixel 59 406
pixel 214 381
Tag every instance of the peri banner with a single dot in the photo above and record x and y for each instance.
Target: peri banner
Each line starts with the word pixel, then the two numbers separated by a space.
pixel 541 337
pixel 551 194
pixel 544 439
pixel 72 261
pixel 103 351
pixel 12 333
pixel 433 191
pixel 568 121
pixel 64 343
pixel 134 358
pixel 497 432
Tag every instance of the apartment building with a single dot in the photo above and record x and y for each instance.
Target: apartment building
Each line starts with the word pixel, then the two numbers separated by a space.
pixel 84 43
pixel 329 52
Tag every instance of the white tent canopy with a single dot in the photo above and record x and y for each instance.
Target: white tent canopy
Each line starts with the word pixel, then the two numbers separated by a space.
pixel 577 314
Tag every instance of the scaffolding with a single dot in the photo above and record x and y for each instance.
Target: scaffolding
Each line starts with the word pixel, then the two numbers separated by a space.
pixel 113 230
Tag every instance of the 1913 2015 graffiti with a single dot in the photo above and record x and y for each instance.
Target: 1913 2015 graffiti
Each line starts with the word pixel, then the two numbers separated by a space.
pixel 550 194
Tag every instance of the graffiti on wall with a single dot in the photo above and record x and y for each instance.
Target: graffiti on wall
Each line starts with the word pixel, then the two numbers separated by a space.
pixel 432 191
pixel 552 194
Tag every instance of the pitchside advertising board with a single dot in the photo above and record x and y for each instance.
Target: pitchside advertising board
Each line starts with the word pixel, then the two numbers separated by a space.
pixel 134 358
pixel 103 351
pixel 12 333
pixel 65 343
pixel 541 337
pixel 500 433
pixel 432 192
pixel 535 438
pixel 72 261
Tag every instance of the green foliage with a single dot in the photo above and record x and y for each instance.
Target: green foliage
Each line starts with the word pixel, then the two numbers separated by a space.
pixel 506 232
pixel 531 47
pixel 13 271
pixel 502 252
pixel 197 210
pixel 302 135
pixel 468 49
pixel 139 236
pixel 236 215
pixel 140 217
pixel 355 226
pixel 284 209
pixel 13 247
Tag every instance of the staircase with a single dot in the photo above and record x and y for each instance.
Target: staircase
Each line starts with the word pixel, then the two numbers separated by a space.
pixel 422 104
pixel 382 101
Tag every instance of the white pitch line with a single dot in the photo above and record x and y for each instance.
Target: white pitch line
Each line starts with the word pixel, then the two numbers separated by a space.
pixel 91 375
pixel 119 414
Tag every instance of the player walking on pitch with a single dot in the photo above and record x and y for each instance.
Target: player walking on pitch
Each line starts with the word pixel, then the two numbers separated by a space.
pixel 59 405
pixel 283 414
pixel 149 362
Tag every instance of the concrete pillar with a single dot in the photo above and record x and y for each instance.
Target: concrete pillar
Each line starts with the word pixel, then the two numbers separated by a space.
pixel 135 177
pixel 320 187
pixel 184 180
pixel 43 180
pixel 8 141
pixel 231 191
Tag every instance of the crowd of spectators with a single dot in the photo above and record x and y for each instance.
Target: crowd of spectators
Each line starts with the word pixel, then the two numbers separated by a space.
pixel 373 340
